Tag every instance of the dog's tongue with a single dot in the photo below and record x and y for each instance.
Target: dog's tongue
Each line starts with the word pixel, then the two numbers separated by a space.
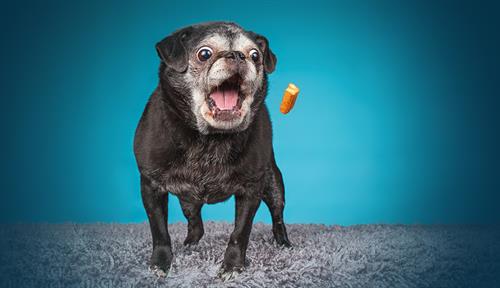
pixel 225 99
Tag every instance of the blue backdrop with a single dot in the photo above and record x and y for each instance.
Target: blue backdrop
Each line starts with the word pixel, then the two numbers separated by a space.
pixel 396 122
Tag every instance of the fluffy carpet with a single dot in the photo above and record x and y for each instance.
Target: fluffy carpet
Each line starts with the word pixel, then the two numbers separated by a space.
pixel 116 255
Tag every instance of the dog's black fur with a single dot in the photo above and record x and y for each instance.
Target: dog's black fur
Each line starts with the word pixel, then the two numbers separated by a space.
pixel 174 157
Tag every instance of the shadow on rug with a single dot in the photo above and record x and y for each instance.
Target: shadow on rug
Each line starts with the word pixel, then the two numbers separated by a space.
pixel 116 255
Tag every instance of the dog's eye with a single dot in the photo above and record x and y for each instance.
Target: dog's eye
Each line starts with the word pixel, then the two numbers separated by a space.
pixel 254 54
pixel 204 53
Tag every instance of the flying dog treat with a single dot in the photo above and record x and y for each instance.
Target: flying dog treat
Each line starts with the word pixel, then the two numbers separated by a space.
pixel 289 98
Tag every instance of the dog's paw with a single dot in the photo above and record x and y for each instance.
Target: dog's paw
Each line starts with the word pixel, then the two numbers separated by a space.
pixel 284 242
pixel 281 236
pixel 192 240
pixel 227 274
pixel 159 272
pixel 194 235
pixel 161 260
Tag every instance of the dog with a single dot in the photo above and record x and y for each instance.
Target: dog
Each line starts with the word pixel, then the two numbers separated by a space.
pixel 205 135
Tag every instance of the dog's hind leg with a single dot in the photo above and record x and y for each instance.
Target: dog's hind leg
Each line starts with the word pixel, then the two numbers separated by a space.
pixel 192 212
pixel 274 197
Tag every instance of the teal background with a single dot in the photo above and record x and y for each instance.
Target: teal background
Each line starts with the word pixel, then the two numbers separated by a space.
pixel 396 121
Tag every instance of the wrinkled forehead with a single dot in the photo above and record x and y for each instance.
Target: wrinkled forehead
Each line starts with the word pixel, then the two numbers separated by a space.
pixel 228 41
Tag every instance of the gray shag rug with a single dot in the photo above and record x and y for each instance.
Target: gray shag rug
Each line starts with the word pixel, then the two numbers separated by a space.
pixel 116 255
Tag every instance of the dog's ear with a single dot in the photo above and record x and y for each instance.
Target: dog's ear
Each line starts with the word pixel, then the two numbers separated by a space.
pixel 269 59
pixel 172 50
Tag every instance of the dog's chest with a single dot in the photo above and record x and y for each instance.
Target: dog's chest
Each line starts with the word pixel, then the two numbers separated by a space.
pixel 205 172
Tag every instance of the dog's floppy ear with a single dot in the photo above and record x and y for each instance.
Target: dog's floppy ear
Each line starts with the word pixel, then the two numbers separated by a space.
pixel 269 59
pixel 172 50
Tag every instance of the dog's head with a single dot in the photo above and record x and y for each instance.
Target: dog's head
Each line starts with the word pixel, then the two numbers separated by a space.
pixel 217 75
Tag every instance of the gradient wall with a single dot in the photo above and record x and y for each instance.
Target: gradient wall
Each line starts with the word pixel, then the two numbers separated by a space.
pixel 396 122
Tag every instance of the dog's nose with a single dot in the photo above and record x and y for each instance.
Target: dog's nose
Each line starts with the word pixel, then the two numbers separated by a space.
pixel 235 55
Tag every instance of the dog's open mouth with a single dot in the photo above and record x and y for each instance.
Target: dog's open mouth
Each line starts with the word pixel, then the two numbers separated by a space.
pixel 224 101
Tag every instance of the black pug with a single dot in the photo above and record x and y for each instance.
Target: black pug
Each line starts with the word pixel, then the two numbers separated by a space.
pixel 205 135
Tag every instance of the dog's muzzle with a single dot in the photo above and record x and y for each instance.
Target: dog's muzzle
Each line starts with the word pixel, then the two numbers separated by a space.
pixel 224 101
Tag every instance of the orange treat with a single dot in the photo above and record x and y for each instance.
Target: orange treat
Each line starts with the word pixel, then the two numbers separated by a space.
pixel 289 98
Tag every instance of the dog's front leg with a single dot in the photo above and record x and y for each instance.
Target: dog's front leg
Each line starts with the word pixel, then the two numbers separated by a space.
pixel 156 205
pixel 234 258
